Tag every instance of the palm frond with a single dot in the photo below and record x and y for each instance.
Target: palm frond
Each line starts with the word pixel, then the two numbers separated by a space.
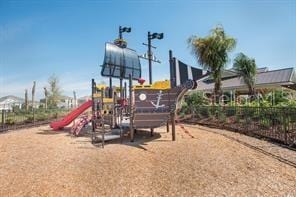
pixel 246 67
pixel 211 52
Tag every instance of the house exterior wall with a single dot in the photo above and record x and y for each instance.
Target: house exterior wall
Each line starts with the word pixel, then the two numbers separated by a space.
pixel 8 104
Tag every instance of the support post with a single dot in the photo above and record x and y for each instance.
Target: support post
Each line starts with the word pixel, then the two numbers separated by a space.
pixel 125 90
pixel 120 87
pixel 149 58
pixel 168 126
pixel 120 32
pixel 173 126
pixel 114 110
pixel 102 117
pixel 173 84
pixel 125 96
pixel 131 108
pixel 93 86
pixel 110 87
pixel 151 131
pixel 172 69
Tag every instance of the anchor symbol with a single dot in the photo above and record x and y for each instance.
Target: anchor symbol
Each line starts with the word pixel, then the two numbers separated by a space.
pixel 158 101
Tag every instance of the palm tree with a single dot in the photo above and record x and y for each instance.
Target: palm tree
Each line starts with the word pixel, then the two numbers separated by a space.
pixel 211 52
pixel 246 67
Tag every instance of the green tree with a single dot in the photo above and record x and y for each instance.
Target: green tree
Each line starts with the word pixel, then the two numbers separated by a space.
pixel 246 67
pixel 212 53
pixel 54 93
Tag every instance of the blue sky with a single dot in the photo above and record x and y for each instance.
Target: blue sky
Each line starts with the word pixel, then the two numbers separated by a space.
pixel 66 38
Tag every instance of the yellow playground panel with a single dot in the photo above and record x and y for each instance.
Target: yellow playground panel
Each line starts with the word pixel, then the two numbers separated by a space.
pixel 158 85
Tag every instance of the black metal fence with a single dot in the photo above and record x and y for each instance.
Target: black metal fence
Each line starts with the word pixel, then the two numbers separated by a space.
pixel 21 119
pixel 271 122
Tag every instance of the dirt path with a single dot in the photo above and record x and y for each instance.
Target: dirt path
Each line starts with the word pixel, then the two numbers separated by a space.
pixel 38 162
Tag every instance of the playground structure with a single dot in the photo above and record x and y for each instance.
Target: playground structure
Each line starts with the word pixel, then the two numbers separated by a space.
pixel 148 107
pixel 116 112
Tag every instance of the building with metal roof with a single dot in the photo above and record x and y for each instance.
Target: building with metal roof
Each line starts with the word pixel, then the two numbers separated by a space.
pixel 10 101
pixel 265 79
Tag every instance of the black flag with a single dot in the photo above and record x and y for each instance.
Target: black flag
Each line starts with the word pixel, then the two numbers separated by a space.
pixel 182 72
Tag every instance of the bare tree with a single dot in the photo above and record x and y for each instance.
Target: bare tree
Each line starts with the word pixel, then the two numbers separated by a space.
pixel 26 100
pixel 46 97
pixel 33 94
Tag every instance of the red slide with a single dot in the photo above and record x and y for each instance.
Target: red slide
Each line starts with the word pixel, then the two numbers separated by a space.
pixel 71 116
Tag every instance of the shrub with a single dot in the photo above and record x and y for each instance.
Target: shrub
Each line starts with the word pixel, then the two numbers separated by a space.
pixel 230 111
pixel 10 121
pixel 184 108
pixel 204 111
pixel 29 119
pixel 41 116
pixel 196 99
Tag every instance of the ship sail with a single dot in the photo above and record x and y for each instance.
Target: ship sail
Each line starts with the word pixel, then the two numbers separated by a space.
pixel 121 62
pixel 181 72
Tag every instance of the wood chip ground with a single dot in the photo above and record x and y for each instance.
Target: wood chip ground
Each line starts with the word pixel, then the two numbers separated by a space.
pixel 40 162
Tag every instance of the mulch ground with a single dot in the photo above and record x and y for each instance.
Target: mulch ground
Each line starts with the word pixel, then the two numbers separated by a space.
pixel 40 162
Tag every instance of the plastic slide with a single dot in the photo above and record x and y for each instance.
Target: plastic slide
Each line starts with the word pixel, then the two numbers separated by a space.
pixel 60 124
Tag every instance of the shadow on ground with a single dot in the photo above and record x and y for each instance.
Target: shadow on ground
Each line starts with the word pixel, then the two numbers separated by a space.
pixel 52 132
pixel 141 138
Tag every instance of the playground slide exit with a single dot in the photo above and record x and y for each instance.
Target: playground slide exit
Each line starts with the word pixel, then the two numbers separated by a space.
pixel 60 124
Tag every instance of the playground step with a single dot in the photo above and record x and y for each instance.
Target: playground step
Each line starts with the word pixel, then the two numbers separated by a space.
pixel 108 137
pixel 117 131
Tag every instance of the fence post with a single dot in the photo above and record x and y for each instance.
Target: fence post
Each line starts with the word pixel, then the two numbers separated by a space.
pixel 245 116
pixel 285 125
pixel 33 115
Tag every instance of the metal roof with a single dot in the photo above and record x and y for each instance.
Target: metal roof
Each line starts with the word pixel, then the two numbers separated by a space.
pixel 279 78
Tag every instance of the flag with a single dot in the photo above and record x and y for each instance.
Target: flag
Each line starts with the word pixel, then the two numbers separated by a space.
pixel 182 72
